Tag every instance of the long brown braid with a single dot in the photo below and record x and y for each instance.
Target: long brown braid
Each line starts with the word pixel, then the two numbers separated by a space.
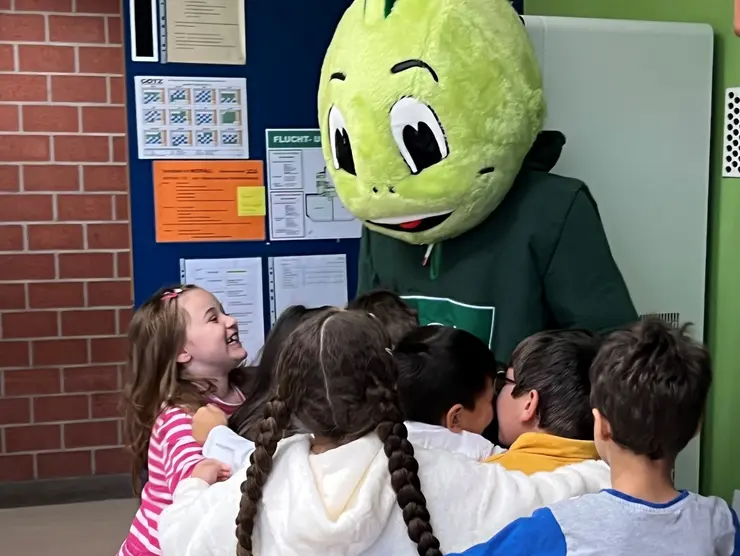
pixel 337 377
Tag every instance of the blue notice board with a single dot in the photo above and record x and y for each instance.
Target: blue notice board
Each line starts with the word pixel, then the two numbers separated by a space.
pixel 286 42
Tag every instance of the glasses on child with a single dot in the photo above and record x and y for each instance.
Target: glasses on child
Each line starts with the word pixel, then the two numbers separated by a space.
pixel 502 380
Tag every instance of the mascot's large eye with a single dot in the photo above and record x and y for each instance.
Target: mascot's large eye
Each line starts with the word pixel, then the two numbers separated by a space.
pixel 418 134
pixel 341 148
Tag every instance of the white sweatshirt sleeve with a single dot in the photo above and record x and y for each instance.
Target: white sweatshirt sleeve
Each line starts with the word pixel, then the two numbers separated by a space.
pixel 226 446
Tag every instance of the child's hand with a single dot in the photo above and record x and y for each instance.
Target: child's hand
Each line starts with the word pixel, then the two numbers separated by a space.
pixel 211 471
pixel 205 420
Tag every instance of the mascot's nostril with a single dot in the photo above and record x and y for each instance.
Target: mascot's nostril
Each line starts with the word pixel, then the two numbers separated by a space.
pixel 392 189
pixel 375 189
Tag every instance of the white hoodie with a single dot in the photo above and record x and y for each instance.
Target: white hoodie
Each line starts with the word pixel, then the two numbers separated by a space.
pixel 340 503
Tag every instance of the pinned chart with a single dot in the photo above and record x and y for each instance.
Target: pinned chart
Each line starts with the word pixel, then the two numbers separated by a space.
pixel 191 117
pixel 209 200
pixel 303 201
pixel 237 284
pixel 312 280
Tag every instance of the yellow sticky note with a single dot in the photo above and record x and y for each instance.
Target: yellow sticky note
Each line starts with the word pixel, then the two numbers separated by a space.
pixel 250 201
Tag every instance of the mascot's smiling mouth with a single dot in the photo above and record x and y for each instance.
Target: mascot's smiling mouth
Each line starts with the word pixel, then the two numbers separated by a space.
pixel 413 223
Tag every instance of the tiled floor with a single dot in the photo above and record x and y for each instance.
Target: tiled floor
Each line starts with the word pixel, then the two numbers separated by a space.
pixel 91 529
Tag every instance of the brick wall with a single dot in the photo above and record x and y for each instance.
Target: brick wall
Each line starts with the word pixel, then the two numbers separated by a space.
pixel 65 278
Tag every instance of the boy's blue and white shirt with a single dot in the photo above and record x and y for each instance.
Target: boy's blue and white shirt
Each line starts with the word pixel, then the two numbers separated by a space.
pixel 611 523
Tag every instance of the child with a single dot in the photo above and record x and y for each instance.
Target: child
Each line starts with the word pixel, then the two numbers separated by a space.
pixel 398 318
pixel 542 405
pixel 353 484
pixel 445 384
pixel 649 390
pixel 183 352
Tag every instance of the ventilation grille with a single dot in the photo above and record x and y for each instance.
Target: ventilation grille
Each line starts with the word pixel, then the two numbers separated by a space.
pixel 731 149
pixel 673 319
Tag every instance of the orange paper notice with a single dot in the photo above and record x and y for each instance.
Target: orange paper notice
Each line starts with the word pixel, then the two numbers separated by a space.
pixel 209 200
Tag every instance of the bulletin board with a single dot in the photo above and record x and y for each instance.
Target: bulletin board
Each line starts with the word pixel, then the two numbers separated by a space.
pixel 285 45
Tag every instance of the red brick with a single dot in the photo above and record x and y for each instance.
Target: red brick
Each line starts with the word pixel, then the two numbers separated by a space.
pixel 27 267
pixel 33 438
pixel 16 468
pixel 53 295
pixel 38 58
pixel 115 30
pixel 26 208
pixel 108 236
pixel 45 237
pixel 81 148
pixel 121 206
pixel 22 27
pixel 123 264
pixel 12 296
pixel 106 405
pixel 108 350
pixel 32 382
pixel 5 4
pixel 104 119
pixel 15 411
pixel 89 323
pixel 93 433
pixel 124 320
pixel 59 352
pixel 11 238
pixel 105 178
pixel 99 6
pixel 101 59
pixel 120 149
pixel 43 5
pixel 112 461
pixel 56 465
pixel 61 408
pixel 49 177
pixel 109 294
pixel 84 207
pixel 10 178
pixel 14 354
pixel 75 88
pixel 117 90
pixel 7 58
pixel 8 117
pixel 86 265
pixel 24 148
pixel 18 87
pixel 91 379
pixel 51 118
pixel 30 324
pixel 76 29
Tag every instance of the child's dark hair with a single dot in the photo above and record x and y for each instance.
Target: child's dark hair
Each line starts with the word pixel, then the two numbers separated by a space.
pixel 395 314
pixel 337 376
pixel 439 367
pixel 651 382
pixel 556 364
pixel 245 420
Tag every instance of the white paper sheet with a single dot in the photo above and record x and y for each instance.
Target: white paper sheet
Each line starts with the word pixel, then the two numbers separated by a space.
pixel 191 117
pixel 303 201
pixel 313 281
pixel 237 284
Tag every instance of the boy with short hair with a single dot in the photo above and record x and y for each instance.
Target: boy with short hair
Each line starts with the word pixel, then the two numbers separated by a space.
pixel 394 313
pixel 649 390
pixel 543 410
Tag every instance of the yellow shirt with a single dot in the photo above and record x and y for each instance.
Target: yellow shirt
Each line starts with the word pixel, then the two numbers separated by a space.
pixel 536 451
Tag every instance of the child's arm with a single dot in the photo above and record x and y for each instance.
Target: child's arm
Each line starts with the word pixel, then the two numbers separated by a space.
pixel 178 449
pixel 226 446
pixel 539 535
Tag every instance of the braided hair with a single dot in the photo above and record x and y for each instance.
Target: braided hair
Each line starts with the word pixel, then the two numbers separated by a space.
pixel 337 377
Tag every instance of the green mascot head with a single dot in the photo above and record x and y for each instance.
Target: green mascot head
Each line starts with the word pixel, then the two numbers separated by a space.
pixel 427 109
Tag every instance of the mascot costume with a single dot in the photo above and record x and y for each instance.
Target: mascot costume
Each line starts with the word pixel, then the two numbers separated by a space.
pixel 431 114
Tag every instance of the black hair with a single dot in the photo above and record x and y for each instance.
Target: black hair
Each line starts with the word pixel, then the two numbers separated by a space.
pixel 245 420
pixel 650 383
pixel 395 314
pixel 439 367
pixel 556 364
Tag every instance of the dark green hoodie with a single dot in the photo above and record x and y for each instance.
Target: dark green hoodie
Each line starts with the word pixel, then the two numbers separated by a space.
pixel 541 260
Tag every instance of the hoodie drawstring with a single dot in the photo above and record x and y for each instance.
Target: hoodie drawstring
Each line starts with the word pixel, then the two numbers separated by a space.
pixel 436 259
